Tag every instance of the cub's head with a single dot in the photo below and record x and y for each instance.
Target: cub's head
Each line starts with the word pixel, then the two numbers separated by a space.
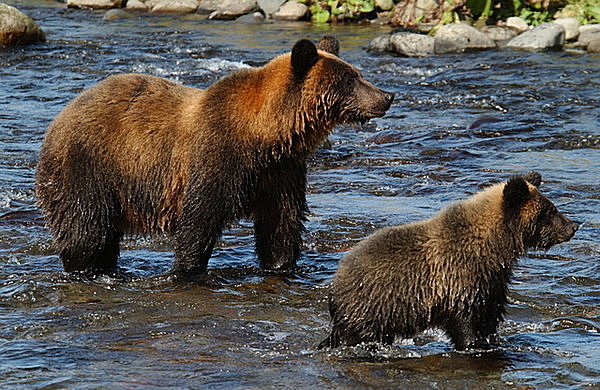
pixel 533 215
pixel 331 90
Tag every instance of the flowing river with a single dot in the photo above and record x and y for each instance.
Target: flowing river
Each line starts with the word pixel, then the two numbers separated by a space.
pixel 459 122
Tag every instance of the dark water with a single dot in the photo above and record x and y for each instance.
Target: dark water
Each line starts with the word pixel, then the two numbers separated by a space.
pixel 245 329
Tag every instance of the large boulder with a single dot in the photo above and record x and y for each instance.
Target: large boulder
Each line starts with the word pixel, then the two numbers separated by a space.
pixel 136 5
pixel 594 46
pixel 292 10
pixel 175 7
pixel 231 9
pixel 412 45
pixel 208 6
pixel 380 44
pixel 588 33
pixel 95 4
pixel 16 28
pixel 500 33
pixel 571 26
pixel 458 37
pixel 543 37
pixel 269 7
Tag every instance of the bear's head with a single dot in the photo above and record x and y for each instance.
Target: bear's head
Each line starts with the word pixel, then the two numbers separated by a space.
pixel 532 215
pixel 331 90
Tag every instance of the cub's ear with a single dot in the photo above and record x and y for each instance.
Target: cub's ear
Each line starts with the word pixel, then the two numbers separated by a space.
pixel 304 56
pixel 516 194
pixel 330 44
pixel 533 178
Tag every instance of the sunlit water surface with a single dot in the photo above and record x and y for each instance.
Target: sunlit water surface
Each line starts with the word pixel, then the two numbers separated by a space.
pixel 241 328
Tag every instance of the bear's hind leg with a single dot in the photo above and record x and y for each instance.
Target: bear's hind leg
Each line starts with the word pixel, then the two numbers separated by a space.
pixel 466 333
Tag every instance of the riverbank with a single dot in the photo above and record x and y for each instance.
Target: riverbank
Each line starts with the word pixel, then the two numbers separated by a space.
pixel 417 41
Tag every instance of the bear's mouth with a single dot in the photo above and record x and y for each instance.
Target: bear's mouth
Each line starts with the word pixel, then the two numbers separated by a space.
pixel 364 117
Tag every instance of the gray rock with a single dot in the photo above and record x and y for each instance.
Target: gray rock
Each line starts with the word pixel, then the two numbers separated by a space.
pixel 594 46
pixel 292 10
pixel 384 5
pixel 269 7
pixel 94 4
pixel 517 23
pixel 412 45
pixel 136 5
pixel 588 32
pixel 571 26
pixel 17 29
pixel 500 33
pixel 458 37
pixel 543 37
pixel 208 6
pixel 114 14
pixel 175 7
pixel 231 9
pixel 255 17
pixel 380 44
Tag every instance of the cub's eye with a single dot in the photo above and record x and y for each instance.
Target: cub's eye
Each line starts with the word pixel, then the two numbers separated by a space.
pixel 348 81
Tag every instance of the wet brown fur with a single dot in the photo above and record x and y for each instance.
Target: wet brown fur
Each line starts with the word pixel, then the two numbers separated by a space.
pixel 450 271
pixel 141 154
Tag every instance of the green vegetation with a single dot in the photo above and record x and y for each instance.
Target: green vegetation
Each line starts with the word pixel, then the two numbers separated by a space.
pixel 323 11
pixel 533 12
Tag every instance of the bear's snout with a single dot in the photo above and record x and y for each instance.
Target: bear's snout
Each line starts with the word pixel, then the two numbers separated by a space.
pixel 389 98
pixel 572 229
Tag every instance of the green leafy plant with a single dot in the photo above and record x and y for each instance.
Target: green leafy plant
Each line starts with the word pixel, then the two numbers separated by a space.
pixel 323 11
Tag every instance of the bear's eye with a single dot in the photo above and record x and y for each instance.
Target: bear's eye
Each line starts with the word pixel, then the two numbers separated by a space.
pixel 551 211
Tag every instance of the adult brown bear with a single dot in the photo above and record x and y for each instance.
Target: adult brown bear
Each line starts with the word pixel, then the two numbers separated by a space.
pixel 141 154
pixel 450 271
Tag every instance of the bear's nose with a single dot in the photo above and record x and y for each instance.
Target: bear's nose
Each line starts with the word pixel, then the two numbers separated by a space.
pixel 574 226
pixel 389 97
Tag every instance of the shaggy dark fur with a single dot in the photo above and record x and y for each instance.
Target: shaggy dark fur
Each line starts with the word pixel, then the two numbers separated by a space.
pixel 450 271
pixel 140 154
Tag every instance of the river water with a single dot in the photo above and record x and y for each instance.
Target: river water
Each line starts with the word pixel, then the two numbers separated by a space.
pixel 241 328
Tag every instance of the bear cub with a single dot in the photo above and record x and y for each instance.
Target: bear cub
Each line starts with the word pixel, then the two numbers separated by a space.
pixel 450 271
pixel 137 154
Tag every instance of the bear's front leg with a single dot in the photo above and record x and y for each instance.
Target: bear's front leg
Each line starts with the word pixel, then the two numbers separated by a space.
pixel 278 231
pixel 197 232
pixel 279 213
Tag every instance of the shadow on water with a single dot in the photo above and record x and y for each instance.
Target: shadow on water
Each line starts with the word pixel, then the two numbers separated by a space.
pixel 458 122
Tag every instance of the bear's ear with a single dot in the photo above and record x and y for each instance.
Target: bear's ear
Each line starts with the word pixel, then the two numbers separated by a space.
pixel 304 56
pixel 515 194
pixel 533 178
